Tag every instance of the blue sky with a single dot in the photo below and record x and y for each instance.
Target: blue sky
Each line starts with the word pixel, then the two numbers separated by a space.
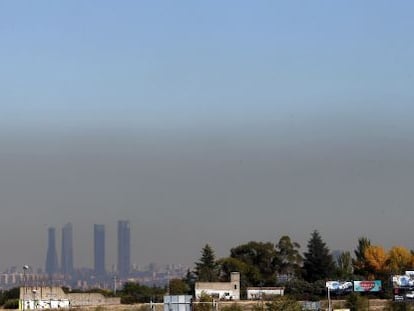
pixel 214 121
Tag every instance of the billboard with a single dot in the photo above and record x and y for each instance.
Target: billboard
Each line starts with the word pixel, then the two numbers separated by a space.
pixel 339 286
pixel 367 286
pixel 403 281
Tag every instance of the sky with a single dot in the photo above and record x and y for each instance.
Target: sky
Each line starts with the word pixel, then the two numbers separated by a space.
pixel 217 122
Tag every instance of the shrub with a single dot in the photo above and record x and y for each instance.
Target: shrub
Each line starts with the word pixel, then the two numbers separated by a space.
pixel 232 307
pixel 283 303
pixel 355 302
pixel 11 304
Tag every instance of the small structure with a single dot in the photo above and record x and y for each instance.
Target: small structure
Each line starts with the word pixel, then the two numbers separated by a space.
pixel 53 297
pixel 258 293
pixel 220 290
pixel 177 303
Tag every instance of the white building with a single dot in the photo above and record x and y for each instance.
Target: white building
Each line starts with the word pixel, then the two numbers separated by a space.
pixel 256 293
pixel 220 290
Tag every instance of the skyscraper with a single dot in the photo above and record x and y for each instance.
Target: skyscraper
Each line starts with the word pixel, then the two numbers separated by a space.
pixel 51 265
pixel 124 248
pixel 67 250
pixel 99 249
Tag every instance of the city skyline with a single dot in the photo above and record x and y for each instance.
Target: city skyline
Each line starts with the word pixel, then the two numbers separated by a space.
pixel 204 122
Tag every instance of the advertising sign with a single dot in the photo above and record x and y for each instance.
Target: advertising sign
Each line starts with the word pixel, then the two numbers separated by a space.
pixel 367 286
pixel 403 281
pixel 339 286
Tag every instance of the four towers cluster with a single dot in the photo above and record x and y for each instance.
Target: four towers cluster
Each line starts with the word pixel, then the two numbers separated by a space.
pixel 66 264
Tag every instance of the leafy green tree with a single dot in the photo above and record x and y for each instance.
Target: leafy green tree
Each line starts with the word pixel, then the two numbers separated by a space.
pixel 288 257
pixel 178 287
pixel 303 290
pixel 190 279
pixel 261 257
pixel 318 263
pixel 134 293
pixel 207 269
pixel 249 275
pixel 344 266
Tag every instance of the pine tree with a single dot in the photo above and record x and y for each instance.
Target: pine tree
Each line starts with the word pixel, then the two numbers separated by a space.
pixel 207 269
pixel 318 263
pixel 360 261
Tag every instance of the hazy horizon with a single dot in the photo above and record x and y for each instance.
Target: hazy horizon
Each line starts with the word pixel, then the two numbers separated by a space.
pixel 199 123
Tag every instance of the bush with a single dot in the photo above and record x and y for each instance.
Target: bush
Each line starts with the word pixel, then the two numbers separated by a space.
pixel 205 303
pixel 398 306
pixel 355 302
pixel 283 303
pixel 232 307
pixel 11 304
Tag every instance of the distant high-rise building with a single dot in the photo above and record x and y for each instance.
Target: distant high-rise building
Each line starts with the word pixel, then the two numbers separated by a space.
pixel 67 250
pixel 51 266
pixel 124 248
pixel 99 249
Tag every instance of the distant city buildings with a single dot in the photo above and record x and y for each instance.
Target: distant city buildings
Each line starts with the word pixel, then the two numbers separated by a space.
pixel 96 277
pixel 51 266
pixel 124 248
pixel 99 249
pixel 67 250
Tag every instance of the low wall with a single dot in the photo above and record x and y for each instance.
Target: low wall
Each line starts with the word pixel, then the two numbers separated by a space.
pixel 91 299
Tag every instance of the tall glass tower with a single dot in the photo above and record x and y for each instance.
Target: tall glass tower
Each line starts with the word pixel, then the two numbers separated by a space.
pixel 99 249
pixel 51 266
pixel 67 250
pixel 124 248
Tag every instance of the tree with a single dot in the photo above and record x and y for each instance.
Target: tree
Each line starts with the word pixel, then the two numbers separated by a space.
pixel 178 287
pixel 134 292
pixel 190 279
pixel 249 275
pixel 260 257
pixel 399 260
pixel 359 262
pixel 206 269
pixel 376 259
pixel 289 259
pixel 318 263
pixel 344 266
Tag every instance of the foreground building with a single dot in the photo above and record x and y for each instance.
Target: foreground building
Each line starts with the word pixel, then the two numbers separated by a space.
pixel 53 297
pixel 259 293
pixel 220 290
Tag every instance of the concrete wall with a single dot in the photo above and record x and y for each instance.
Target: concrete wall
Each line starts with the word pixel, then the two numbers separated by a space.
pixel 93 299
pixel 45 295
